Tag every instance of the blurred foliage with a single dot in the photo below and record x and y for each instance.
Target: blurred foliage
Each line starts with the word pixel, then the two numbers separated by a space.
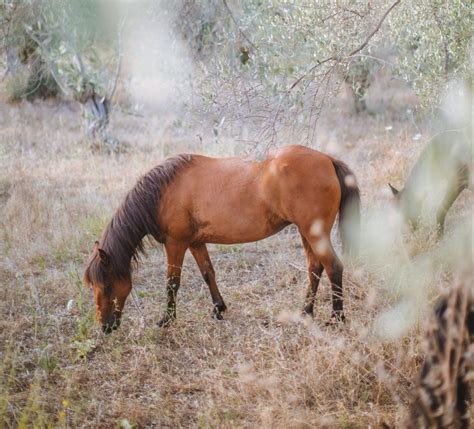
pixel 274 61
pixel 65 44
pixel 433 40
pixel 284 58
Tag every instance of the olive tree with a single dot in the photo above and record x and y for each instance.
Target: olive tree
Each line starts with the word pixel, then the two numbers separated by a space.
pixel 69 50
pixel 433 40
pixel 278 62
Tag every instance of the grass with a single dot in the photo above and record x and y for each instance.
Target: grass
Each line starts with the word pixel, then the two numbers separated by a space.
pixel 264 365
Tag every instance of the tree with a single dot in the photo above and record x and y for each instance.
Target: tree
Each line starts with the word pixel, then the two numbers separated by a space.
pixel 68 50
pixel 433 39
pixel 30 76
pixel 277 63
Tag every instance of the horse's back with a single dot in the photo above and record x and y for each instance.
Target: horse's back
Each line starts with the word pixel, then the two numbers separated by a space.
pixel 230 200
pixel 216 200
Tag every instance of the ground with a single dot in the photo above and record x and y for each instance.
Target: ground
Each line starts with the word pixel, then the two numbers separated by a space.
pixel 264 365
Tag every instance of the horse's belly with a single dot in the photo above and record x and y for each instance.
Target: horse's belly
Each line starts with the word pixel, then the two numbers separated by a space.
pixel 235 236
pixel 220 201
pixel 238 228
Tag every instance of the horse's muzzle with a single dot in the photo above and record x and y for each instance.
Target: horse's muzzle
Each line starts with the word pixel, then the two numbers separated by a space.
pixel 112 323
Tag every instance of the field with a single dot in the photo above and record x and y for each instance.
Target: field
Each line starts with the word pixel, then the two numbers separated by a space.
pixel 264 365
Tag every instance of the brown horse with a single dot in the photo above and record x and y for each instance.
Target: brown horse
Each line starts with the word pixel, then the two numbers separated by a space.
pixel 191 200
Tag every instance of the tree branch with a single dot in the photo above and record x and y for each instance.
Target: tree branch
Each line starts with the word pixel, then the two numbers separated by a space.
pixel 237 24
pixel 52 65
pixel 377 28
pixel 355 51
pixel 311 70
pixel 360 15
pixel 119 61
pixel 82 69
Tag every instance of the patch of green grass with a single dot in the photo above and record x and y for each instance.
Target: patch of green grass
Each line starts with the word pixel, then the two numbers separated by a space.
pixel 344 421
pixel 40 261
pixel 81 343
pixel 47 361
pixel 33 413
pixel 83 348
pixel 229 248
pixel 365 396
pixel 94 225
pixel 7 378
pixel 126 424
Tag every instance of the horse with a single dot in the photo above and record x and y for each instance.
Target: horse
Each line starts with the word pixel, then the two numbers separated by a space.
pixel 190 200
pixel 440 174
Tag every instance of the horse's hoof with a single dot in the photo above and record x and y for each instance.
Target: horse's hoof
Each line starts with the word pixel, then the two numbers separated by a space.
pixel 336 318
pixel 307 312
pixel 216 314
pixel 165 322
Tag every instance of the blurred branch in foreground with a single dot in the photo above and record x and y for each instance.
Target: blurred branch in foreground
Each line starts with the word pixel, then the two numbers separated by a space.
pixel 442 396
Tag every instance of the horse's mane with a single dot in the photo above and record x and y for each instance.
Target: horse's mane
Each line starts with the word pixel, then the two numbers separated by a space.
pixel 136 218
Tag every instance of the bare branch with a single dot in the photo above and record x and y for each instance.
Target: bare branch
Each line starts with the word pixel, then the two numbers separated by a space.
pixel 52 65
pixel 237 24
pixel 82 69
pixel 377 28
pixel 360 15
pixel 119 61
pixel 311 70
pixel 330 16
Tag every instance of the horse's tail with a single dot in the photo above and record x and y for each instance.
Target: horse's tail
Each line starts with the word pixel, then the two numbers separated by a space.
pixel 349 209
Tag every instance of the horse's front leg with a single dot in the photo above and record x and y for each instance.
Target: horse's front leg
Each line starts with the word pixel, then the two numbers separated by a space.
pixel 448 201
pixel 207 270
pixel 175 256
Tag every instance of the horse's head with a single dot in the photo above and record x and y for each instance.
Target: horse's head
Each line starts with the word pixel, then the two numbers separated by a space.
pixel 405 204
pixel 110 290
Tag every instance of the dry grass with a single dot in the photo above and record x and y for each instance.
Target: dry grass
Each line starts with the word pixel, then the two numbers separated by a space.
pixel 264 366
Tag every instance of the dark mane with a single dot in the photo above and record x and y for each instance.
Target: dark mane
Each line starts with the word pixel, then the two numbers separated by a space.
pixel 135 219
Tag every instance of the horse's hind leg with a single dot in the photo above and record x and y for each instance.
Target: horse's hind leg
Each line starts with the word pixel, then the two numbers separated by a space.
pixel 175 256
pixel 207 270
pixel 315 270
pixel 334 269
pixel 323 250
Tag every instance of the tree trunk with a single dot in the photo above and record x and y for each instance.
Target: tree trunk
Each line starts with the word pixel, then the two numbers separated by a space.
pixel 96 115
pixel 358 79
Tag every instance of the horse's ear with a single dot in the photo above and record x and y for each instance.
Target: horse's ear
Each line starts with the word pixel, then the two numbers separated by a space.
pixel 104 258
pixel 395 191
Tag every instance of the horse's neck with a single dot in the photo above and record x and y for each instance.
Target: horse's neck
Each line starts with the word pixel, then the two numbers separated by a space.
pixel 123 245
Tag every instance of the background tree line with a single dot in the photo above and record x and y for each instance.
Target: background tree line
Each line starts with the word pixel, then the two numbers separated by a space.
pixel 270 62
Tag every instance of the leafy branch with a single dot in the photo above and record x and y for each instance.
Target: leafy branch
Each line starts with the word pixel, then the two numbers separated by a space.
pixel 354 52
